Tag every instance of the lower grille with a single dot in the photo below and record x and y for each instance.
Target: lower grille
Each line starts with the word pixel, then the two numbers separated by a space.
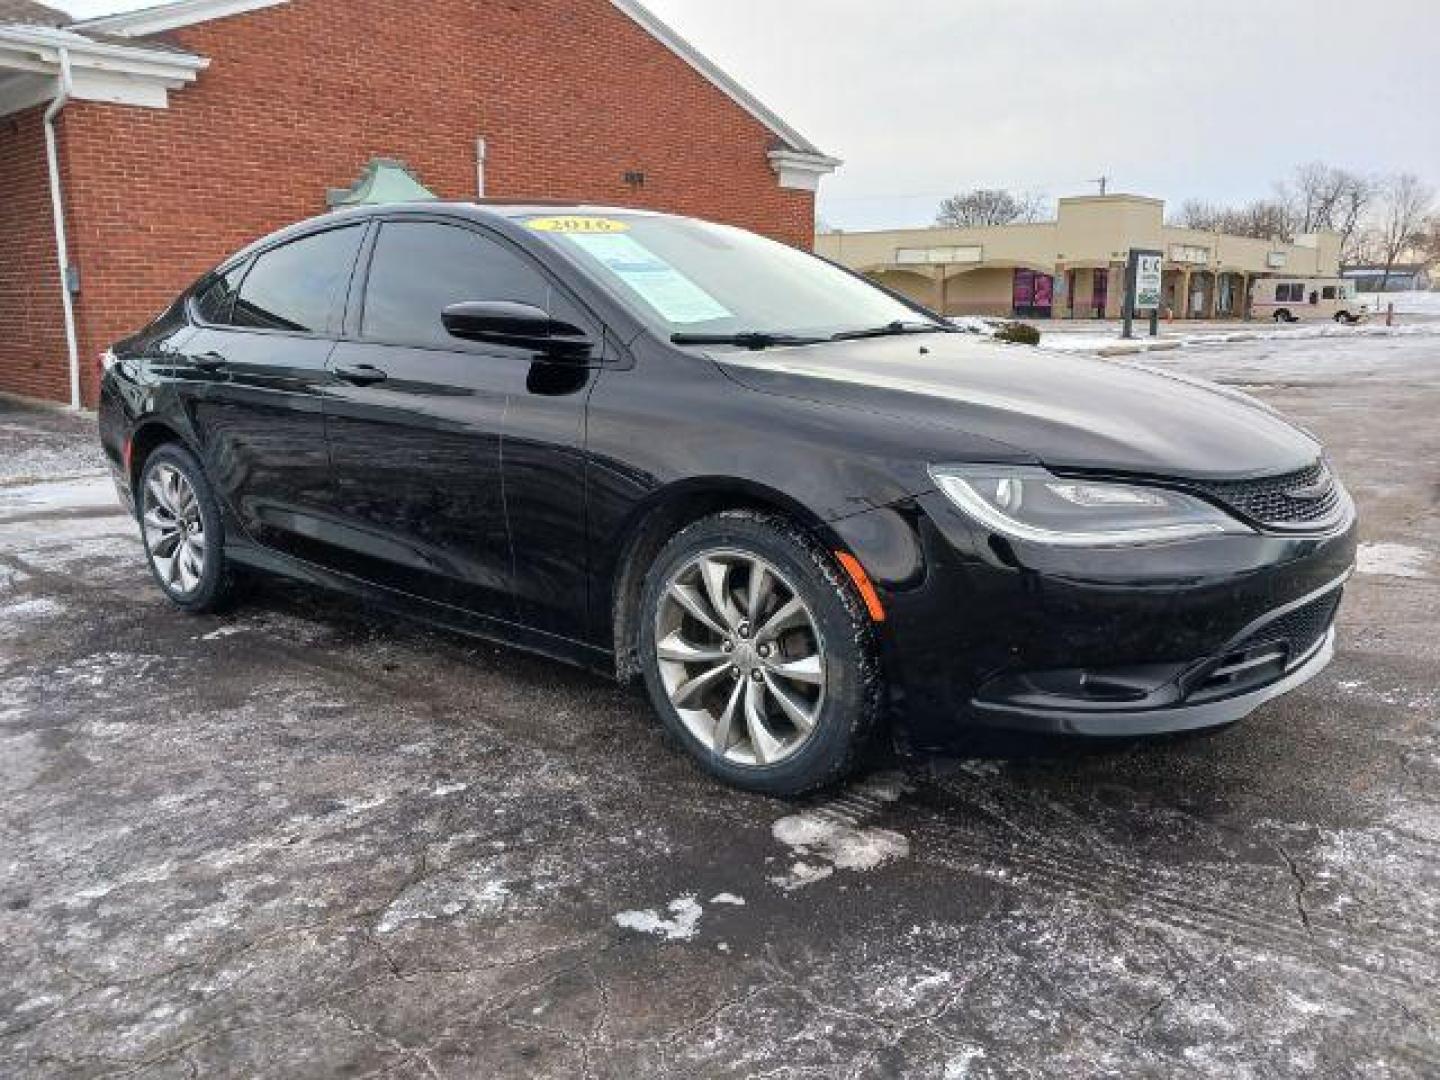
pixel 1302 629
pixel 1269 652
pixel 1271 500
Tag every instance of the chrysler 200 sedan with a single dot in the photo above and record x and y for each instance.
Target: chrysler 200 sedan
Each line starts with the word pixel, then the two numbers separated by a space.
pixel 804 510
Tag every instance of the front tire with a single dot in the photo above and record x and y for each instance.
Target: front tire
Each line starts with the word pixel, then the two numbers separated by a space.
pixel 758 655
pixel 183 531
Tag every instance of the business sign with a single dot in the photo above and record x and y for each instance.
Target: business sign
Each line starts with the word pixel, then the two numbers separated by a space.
pixel 1193 254
pixel 1275 260
pixel 939 256
pixel 1148 280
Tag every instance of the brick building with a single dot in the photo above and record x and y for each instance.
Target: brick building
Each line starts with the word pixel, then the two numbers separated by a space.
pixel 186 129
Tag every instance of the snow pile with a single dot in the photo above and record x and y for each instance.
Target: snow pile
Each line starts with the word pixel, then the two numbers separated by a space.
pixel 974 324
pixel 824 844
pixel 685 914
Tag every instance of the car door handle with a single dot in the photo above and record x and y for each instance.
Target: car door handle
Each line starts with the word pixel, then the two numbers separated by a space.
pixel 210 361
pixel 360 374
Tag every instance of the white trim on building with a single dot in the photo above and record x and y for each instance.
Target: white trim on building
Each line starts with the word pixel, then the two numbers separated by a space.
pixel 171 16
pixel 30 64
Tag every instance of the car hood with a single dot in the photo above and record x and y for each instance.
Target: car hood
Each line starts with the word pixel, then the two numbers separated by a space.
pixel 1062 411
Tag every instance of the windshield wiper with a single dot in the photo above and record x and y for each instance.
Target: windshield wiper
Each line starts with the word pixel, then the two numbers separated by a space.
pixel 894 329
pixel 749 339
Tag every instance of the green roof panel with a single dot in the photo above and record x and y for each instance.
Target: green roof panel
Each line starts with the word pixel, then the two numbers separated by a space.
pixel 384 180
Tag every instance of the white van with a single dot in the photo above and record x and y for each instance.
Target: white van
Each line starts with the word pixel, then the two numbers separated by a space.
pixel 1293 299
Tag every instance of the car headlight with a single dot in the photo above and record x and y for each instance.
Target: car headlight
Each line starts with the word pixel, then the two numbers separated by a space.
pixel 1029 503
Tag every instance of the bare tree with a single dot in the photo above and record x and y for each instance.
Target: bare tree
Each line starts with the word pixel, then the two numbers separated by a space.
pixel 990 206
pixel 1197 214
pixel 1264 219
pixel 1405 202
pixel 1430 245
pixel 1312 195
pixel 1352 207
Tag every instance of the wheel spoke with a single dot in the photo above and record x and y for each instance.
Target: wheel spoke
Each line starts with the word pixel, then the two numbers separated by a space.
pixel 692 602
pixel 798 711
pixel 692 688
pixel 172 490
pixel 189 574
pixel 763 743
pixel 805 669
pixel 157 517
pixel 155 488
pixel 716 575
pixel 724 727
pixel 166 545
pixel 791 613
pixel 187 501
pixel 675 648
pixel 760 587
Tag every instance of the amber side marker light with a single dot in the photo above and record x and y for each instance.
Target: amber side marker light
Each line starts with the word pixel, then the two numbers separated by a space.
pixel 862 582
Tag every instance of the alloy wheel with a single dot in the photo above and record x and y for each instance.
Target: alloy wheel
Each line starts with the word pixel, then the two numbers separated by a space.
pixel 741 657
pixel 174 529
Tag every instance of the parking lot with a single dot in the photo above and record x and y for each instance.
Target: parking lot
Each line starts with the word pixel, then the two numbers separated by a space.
pixel 300 839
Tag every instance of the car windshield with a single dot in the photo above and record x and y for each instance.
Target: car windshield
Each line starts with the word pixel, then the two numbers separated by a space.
pixel 701 283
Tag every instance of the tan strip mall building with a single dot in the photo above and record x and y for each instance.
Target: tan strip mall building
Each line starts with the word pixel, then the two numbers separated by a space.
pixel 1074 266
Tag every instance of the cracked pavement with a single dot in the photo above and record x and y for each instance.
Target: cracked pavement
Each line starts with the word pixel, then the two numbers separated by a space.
pixel 300 840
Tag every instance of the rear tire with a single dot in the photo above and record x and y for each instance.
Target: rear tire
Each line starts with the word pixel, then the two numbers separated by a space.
pixel 1283 316
pixel 758 654
pixel 183 531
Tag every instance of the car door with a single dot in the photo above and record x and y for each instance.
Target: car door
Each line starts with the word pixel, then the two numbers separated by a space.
pixel 459 465
pixel 261 412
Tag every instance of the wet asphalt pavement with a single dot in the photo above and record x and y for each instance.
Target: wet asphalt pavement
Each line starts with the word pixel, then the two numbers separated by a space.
pixel 301 840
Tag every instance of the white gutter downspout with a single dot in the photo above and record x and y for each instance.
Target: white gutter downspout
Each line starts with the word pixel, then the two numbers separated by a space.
pixel 62 251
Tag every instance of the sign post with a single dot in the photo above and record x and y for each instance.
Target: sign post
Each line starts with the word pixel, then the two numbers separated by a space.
pixel 1143 280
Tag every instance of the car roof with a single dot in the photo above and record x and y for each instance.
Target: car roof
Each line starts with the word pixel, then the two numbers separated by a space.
pixel 489 208
pixel 494 210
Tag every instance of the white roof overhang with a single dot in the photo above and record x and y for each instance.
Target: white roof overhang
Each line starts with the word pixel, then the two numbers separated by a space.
pixel 100 70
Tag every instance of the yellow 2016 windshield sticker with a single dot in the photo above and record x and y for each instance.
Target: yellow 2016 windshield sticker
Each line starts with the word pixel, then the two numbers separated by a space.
pixel 577 224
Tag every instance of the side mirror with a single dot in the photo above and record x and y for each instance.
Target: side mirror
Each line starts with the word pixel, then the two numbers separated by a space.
pixel 508 322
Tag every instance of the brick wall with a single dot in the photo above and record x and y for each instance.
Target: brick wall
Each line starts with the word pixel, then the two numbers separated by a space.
pixel 569 95
pixel 33 361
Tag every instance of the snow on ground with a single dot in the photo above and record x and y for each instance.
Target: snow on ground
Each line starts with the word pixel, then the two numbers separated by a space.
pixel 71 494
pixel 685 914
pixel 1111 344
pixel 1406 303
pixel 1392 560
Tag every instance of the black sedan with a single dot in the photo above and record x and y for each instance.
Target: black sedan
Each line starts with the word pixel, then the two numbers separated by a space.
pixel 806 511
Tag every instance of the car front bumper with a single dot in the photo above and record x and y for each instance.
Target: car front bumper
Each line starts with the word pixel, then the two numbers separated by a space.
pixel 1120 722
pixel 1106 643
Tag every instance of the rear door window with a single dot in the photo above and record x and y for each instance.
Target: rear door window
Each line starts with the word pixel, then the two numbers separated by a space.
pixel 216 300
pixel 422 267
pixel 299 286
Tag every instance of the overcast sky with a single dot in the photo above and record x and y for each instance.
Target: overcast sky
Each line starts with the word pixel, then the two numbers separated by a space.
pixel 1213 100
